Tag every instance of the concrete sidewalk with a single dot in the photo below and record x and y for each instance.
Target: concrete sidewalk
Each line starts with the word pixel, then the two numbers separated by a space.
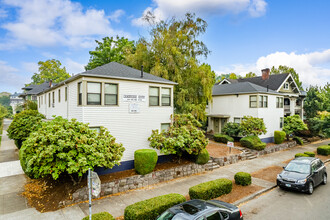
pixel 116 204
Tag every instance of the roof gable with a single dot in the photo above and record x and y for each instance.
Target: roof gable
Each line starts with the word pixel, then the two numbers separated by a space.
pixel 240 88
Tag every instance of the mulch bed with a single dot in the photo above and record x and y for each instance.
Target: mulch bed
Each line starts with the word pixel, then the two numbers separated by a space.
pixel 268 173
pixel 219 150
pixel 46 194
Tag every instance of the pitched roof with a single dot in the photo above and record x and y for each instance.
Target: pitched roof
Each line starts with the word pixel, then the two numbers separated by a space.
pixel 240 88
pixel 273 82
pixel 116 70
pixel 36 89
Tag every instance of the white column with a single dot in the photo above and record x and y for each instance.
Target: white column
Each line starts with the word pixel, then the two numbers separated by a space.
pixel 292 105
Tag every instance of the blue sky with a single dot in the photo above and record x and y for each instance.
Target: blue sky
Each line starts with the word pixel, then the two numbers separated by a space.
pixel 243 35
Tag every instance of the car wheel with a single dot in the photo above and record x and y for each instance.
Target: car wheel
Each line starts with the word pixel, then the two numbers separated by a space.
pixel 324 179
pixel 310 188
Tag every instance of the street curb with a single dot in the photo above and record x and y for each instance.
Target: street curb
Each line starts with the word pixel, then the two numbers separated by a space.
pixel 248 198
pixel 326 161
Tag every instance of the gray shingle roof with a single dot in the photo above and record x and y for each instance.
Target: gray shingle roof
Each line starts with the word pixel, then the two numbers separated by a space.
pixel 36 89
pixel 274 81
pixel 240 88
pixel 118 70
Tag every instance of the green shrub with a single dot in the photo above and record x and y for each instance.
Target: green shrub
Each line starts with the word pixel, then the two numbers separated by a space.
pixel 279 137
pixel 100 216
pixel 293 124
pixel 301 155
pixel 203 157
pixel 183 136
pixel 242 178
pixel 232 129
pixel 310 154
pixel 323 150
pixel 298 140
pixel 252 142
pixel 223 138
pixel 211 189
pixel 23 124
pixel 252 126
pixel 145 161
pixel 151 208
pixel 63 146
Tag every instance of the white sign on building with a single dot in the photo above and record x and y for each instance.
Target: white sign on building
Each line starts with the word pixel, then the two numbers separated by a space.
pixel 133 108
pixel 134 98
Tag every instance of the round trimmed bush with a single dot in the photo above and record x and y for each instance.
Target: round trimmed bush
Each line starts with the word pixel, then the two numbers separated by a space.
pixel 211 189
pixel 203 157
pixel 301 155
pixel 253 142
pixel 145 160
pixel 222 138
pixel 324 150
pixel 310 154
pixel 279 137
pixel 242 178
pixel 100 216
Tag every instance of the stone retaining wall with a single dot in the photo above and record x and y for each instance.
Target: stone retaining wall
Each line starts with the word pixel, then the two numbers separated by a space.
pixel 277 147
pixel 226 160
pixel 138 181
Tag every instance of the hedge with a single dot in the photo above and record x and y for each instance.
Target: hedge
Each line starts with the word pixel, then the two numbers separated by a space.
pixel 242 178
pixel 301 155
pixel 151 208
pixel 298 140
pixel 279 137
pixel 203 157
pixel 100 216
pixel 223 138
pixel 310 154
pixel 253 142
pixel 324 150
pixel 211 189
pixel 145 160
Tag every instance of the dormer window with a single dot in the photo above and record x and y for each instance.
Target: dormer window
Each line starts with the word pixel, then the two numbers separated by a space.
pixel 286 86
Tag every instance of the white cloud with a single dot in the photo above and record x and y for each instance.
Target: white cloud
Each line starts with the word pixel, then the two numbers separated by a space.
pixel 116 15
pixel 3 13
pixel 168 8
pixel 30 67
pixel 10 77
pixel 73 67
pixel 311 67
pixel 55 22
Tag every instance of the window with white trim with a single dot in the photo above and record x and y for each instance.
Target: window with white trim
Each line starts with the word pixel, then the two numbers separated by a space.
pixel 79 93
pixel 166 96
pixel 164 126
pixel 263 101
pixel 237 120
pixel 110 94
pixel 253 101
pixel 279 102
pixel 153 96
pixel 281 122
pixel 93 93
pixel 286 86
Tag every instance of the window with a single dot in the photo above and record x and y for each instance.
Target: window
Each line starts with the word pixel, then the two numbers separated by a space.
pixel 213 216
pixel 66 93
pixel 53 96
pixel 111 94
pixel 164 126
pixel 59 95
pixel 153 96
pixel 286 101
pixel 281 122
pixel 286 86
pixel 79 94
pixel 263 101
pixel 279 102
pixel 49 100
pixel 98 129
pixel 237 120
pixel 253 101
pixel 93 93
pixel 166 96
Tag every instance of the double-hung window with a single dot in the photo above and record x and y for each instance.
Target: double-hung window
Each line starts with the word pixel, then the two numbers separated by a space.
pixel 110 94
pixel 53 96
pixel 237 120
pixel 279 102
pixel 153 96
pixel 164 126
pixel 59 95
pixel 93 93
pixel 49 100
pixel 253 101
pixel 281 122
pixel 263 101
pixel 166 96
pixel 79 93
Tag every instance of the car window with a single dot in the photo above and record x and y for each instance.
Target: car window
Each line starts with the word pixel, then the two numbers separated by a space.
pixel 314 167
pixel 318 164
pixel 298 167
pixel 224 215
pixel 213 216
pixel 166 216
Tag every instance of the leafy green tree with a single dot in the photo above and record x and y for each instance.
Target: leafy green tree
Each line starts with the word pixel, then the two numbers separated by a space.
pixel 68 147
pixel 172 53
pixel 286 69
pixel 250 75
pixel 182 136
pixel 50 70
pixel 23 124
pixel 293 124
pixel 320 125
pixel 109 50
pixel 232 129
pixel 3 112
pixel 30 105
pixel 252 126
pixel 317 99
pixel 4 100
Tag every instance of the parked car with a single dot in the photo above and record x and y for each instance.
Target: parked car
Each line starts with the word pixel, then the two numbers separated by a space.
pixel 202 210
pixel 303 174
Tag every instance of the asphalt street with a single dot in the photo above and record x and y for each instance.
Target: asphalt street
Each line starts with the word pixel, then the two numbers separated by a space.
pixel 282 204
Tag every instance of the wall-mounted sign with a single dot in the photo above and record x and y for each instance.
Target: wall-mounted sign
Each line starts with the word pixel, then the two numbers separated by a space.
pixel 133 108
pixel 134 98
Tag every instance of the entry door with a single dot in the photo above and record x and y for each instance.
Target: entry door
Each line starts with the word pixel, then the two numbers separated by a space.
pixel 216 125
pixel 223 122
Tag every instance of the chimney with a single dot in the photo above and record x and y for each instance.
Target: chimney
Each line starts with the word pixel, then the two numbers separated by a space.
pixel 141 71
pixel 265 73
pixel 50 83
